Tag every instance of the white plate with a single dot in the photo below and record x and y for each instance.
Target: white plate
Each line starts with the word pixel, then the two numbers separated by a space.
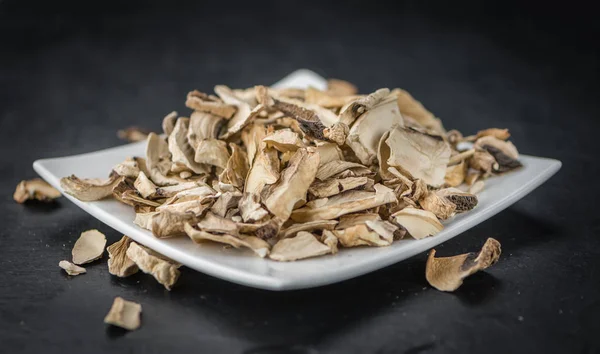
pixel 242 266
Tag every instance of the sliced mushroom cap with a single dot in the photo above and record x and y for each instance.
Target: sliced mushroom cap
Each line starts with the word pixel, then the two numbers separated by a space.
pixel 345 203
pixel 283 140
pixel 328 152
pixel 341 87
pixel 118 262
pixel 366 132
pixel 315 225
pixel 326 99
pixel 144 185
pixel 158 161
pixel 336 167
pixel 144 220
pixel 455 174
pixel 419 223
pixel 35 189
pixel 354 109
pixel 349 220
pixel 260 247
pixel 250 208
pixel 414 109
pixel 124 314
pixel 88 190
pixel 442 207
pixel 133 134
pixel 236 169
pixel 421 155
pixel 385 229
pixel 226 201
pixel 309 121
pixel 127 168
pixel 333 186
pixel 497 133
pixel 161 268
pixel 447 273
pixel 362 235
pixel 303 245
pixel 293 184
pixel 168 123
pixel 244 114
pixel 71 268
pixel 88 247
pixel 330 240
pixel 338 133
pixel 504 152
pixel 462 200
pixel 252 137
pixel 167 223
pixel 204 103
pixel 182 153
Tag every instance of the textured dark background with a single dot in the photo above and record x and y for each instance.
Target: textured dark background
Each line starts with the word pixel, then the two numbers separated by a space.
pixel 72 74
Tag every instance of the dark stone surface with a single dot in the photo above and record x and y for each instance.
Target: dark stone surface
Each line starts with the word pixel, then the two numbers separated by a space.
pixel 71 76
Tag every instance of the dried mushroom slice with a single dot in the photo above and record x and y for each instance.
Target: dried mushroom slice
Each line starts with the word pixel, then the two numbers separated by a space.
pixel 260 247
pixel 504 152
pixel 336 167
pixel 447 273
pixel 338 133
pixel 293 184
pixel 385 229
pixel 477 187
pixel 88 247
pixel 303 245
pixel 168 123
pixel 483 161
pixel 252 137
pixel 419 223
pixel 309 121
pixel 328 152
pixel 182 153
pixel 167 223
pixel 226 201
pixel 341 87
pixel 461 156
pixel 330 240
pixel 133 134
pixel 118 262
pixel 455 174
pixel 315 225
pixel 421 155
pixel 202 102
pixel 158 161
pixel 354 109
pixel 333 186
pixel 203 126
pixel 144 185
pixel 264 171
pixel 37 189
pixel 414 109
pixel 462 200
pixel 366 132
pixel 442 207
pixel 144 220
pixel 250 208
pixel 88 190
pixel 124 314
pixel 497 133
pixel 327 99
pixel 161 268
pixel 127 168
pixel 236 169
pixel 283 140
pixel 244 114
pixel 345 203
pixel 362 235
pixel 349 220
pixel 71 268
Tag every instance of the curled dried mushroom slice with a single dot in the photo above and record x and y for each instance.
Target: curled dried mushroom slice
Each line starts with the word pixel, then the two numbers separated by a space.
pixel 133 134
pixel 442 207
pixel 88 190
pixel 455 174
pixel 37 189
pixel 161 268
pixel 341 87
pixel 202 102
pixel 260 247
pixel 315 225
pixel 447 273
pixel 420 155
pixel 127 168
pixel 88 247
pixel 303 245
pixel 419 223
pixel 71 268
pixel 335 186
pixel 124 314
pixel 119 263
pixel 167 223
pixel 462 200
pixel 168 123
pixel 414 109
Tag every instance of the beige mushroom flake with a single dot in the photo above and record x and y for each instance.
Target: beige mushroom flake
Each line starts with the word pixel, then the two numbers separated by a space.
pixel 447 273
pixel 161 268
pixel 88 247
pixel 291 173
pixel 119 263
pixel 124 314
pixel 35 189
pixel 71 268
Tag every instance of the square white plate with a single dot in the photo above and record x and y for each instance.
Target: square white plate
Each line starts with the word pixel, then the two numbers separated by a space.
pixel 242 266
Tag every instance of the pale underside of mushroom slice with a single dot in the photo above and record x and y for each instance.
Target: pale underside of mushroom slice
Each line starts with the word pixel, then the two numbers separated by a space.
pixel 303 245
pixel 345 203
pixel 414 109
pixel 182 153
pixel 447 273
pixel 127 168
pixel 260 247
pixel 366 132
pixel 161 268
pixel 88 190
pixel 88 247
pixel 37 189
pixel 71 268
pixel 420 155
pixel 119 263
pixel 124 314
pixel 419 223
pixel 293 183
pixel 354 109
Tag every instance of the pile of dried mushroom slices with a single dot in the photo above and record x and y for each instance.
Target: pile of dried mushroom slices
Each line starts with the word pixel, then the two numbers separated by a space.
pixel 293 173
